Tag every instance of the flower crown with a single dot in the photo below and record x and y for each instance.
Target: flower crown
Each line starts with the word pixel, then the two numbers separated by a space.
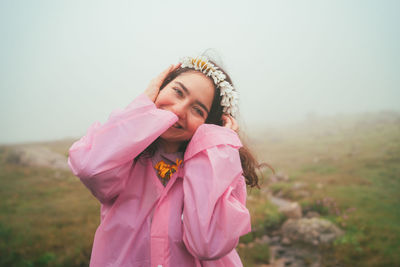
pixel 229 95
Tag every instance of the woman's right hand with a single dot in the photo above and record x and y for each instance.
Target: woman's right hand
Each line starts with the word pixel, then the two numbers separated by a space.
pixel 154 87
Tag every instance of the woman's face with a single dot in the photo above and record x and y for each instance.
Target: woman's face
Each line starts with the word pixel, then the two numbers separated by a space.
pixel 190 97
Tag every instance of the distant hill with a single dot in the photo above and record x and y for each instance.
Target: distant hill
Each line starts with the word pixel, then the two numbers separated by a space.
pixel 327 128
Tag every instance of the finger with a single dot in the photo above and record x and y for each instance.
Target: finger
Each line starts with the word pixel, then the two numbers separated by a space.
pixel 161 77
pixel 235 125
pixel 164 74
pixel 227 121
pixel 230 122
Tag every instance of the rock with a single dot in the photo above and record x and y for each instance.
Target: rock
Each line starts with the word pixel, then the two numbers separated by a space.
pixel 250 197
pixel 298 185
pixel 278 177
pixel 279 263
pixel 37 156
pixel 313 231
pixel 280 202
pixel 263 240
pixel 281 251
pixel 326 238
pixel 286 241
pixel 275 239
pixel 294 256
pixel 315 264
pixel 264 190
pixel 279 194
pixel 302 193
pixel 291 211
pixel 276 232
pixel 312 214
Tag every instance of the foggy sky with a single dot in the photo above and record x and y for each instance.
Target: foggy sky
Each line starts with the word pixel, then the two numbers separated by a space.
pixel 67 64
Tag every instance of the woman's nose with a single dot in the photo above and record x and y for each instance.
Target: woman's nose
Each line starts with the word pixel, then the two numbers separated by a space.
pixel 179 109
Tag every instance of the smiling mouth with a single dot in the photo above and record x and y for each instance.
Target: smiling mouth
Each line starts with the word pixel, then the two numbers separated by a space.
pixel 177 126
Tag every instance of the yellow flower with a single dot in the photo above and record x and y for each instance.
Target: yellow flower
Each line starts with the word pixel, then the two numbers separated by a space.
pixel 165 170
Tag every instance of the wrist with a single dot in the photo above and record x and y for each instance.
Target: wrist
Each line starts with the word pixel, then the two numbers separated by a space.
pixel 210 135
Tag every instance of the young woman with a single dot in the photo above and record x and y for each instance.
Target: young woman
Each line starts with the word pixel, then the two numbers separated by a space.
pixel 168 173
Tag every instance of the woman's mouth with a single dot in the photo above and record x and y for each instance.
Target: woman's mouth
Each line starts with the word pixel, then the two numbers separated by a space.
pixel 177 126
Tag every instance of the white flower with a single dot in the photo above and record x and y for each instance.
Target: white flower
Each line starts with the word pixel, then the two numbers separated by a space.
pixel 220 76
pixel 225 102
pixel 214 78
pixel 229 100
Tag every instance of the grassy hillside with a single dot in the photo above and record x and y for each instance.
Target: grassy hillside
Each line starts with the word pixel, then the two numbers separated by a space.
pixel 349 168
pixel 47 217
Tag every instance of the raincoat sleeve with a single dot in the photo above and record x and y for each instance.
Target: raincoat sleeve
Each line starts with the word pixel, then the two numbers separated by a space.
pixel 214 213
pixel 103 157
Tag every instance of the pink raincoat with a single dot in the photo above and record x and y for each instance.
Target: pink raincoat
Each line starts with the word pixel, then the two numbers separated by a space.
pixel 196 220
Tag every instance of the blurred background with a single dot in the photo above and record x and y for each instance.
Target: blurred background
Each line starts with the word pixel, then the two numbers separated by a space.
pixel 319 101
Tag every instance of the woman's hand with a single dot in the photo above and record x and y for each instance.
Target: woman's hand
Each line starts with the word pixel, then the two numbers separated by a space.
pixel 230 122
pixel 154 87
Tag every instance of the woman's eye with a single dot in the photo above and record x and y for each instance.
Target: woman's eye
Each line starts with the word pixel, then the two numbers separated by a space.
pixel 178 91
pixel 199 111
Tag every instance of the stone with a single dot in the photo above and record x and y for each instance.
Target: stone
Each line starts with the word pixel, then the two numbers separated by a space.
pixel 313 231
pixel 279 263
pixel 278 177
pixel 286 241
pixel 263 240
pixel 276 232
pixel 298 185
pixel 312 214
pixel 275 239
pixel 250 197
pixel 37 156
pixel 288 208
pixel 326 238
pixel 301 193
pixel 291 211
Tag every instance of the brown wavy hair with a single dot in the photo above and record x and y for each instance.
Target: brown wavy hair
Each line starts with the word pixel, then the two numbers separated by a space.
pixel 249 163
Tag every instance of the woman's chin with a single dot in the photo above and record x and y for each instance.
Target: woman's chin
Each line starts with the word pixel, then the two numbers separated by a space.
pixel 171 136
pixel 176 135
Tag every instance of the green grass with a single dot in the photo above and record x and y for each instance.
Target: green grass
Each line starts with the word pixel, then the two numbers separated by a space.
pixel 44 221
pixel 48 218
pixel 355 166
pixel 254 255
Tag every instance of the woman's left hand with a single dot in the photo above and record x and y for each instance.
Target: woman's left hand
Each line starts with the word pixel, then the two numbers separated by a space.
pixel 230 122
